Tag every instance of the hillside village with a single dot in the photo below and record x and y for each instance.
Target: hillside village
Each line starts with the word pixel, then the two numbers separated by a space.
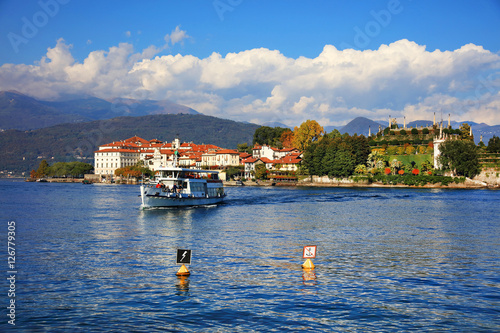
pixel 154 153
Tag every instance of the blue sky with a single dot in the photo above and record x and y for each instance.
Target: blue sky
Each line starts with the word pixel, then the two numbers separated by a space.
pixel 262 61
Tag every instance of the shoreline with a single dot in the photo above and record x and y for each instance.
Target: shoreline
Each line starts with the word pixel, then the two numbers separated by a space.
pixel 469 184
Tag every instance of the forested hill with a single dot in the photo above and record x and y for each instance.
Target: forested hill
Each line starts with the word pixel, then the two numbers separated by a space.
pixel 66 142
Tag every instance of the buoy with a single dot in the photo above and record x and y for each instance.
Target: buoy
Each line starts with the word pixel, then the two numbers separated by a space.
pixel 308 264
pixel 182 271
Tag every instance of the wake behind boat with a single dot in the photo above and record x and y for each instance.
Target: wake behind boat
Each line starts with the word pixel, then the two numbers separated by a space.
pixel 177 187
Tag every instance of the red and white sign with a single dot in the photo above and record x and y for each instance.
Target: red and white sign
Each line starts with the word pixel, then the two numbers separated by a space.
pixel 309 252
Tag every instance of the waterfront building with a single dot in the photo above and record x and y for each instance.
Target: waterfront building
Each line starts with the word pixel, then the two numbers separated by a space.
pixel 286 163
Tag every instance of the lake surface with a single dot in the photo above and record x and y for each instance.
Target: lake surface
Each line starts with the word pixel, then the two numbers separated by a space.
pixel 88 259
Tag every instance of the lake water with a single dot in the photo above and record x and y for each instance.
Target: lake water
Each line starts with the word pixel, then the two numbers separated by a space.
pixel 88 259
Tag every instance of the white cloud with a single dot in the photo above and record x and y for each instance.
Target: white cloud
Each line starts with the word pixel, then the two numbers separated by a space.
pixel 400 79
pixel 176 36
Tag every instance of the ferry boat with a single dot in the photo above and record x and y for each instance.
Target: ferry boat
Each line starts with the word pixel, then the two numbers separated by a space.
pixel 177 187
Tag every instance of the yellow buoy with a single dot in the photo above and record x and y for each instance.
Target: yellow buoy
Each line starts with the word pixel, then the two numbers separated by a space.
pixel 182 271
pixel 308 264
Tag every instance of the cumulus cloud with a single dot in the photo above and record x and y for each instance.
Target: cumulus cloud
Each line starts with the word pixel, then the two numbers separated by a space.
pixel 260 85
pixel 176 36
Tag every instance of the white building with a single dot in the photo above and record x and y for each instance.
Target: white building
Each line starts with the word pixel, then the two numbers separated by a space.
pixel 107 160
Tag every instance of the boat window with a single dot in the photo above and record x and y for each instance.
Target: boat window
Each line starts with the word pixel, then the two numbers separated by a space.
pixel 215 176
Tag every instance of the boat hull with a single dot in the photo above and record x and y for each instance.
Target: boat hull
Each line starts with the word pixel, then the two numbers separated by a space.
pixel 176 200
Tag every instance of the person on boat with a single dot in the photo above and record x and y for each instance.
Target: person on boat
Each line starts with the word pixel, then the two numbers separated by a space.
pixel 158 185
pixel 174 188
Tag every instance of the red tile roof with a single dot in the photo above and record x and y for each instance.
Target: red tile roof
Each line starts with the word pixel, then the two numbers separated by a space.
pixel 227 151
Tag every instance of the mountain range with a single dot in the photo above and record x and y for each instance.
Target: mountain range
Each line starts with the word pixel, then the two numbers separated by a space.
pixel 18 111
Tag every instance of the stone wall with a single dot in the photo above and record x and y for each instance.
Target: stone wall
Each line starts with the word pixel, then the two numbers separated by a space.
pixel 489 176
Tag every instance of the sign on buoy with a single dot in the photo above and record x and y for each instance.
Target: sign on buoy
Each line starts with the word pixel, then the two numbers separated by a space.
pixel 309 253
pixel 184 258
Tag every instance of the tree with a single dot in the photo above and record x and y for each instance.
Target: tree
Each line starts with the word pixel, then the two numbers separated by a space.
pixel 465 132
pixel 493 145
pixel 333 134
pixel 308 132
pixel 233 171
pixel 244 148
pixel 344 163
pixel 360 148
pixel 263 135
pixel 43 169
pixel 260 171
pixel 270 136
pixel 287 139
pixel 461 157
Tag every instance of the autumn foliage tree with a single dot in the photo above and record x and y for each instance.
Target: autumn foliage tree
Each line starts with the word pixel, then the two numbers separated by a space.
pixel 308 132
pixel 133 171
pixel 287 139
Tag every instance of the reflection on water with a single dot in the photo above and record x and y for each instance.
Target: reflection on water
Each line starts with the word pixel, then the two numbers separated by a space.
pixel 388 260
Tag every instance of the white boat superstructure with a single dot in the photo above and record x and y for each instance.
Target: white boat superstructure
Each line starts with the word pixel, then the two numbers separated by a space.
pixel 176 187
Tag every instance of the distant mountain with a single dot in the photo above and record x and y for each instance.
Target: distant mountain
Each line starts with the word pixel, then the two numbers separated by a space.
pixel 361 125
pixel 23 150
pixel 328 129
pixel 277 124
pixel 18 111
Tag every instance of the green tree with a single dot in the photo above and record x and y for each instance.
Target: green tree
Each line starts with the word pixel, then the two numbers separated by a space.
pixel 59 169
pixel 263 135
pixel 360 148
pixel 270 136
pixel 461 157
pixel 77 169
pixel 43 169
pixel 244 148
pixel 344 162
pixel 465 132
pixel 233 171
pixel 493 145
pixel 333 134
pixel 260 171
